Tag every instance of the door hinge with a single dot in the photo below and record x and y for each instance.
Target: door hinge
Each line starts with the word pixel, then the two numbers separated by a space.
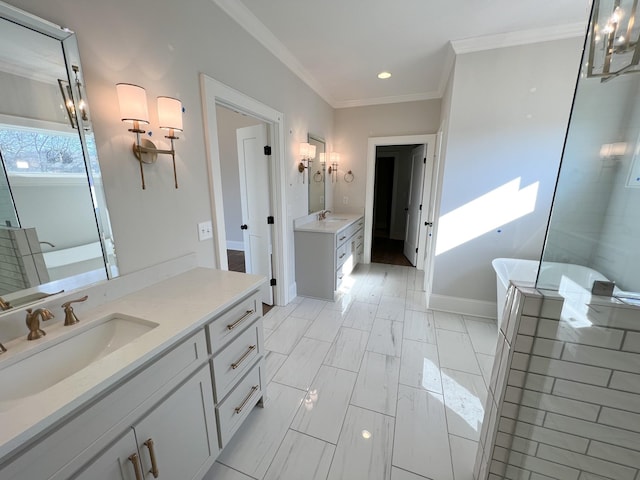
pixel 420 207
pixel 267 150
pixel 270 220
pixel 428 224
pixel 416 249
pixel 425 160
pixel 272 282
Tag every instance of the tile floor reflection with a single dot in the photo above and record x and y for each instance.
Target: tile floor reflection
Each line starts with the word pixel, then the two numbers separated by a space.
pixel 373 386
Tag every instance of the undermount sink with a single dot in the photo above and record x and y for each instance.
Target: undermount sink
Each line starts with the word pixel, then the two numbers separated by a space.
pixel 67 355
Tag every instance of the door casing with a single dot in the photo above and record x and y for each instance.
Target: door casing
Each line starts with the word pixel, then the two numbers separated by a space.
pixel 216 93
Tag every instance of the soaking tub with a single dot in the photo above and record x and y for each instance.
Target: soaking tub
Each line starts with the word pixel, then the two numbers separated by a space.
pixel 555 276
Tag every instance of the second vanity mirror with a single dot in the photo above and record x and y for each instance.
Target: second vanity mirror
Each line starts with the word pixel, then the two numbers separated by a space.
pixel 54 223
pixel 317 175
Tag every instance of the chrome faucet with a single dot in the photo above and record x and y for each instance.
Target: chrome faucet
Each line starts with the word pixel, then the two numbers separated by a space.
pixel 33 322
pixel 323 214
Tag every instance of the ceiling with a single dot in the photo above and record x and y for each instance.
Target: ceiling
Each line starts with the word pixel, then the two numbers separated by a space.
pixel 339 46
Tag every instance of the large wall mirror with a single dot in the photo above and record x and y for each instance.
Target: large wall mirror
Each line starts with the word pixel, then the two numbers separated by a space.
pixel 317 175
pixel 54 225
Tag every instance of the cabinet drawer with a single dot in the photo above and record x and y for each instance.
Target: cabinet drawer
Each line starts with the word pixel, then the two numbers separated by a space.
pixel 341 237
pixel 339 277
pixel 342 253
pixel 235 408
pixel 236 359
pixel 230 324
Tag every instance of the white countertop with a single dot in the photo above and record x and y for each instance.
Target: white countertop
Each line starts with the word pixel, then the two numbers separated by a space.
pixel 332 224
pixel 179 305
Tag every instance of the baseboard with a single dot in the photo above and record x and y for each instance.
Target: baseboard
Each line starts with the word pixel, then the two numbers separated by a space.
pixel 234 245
pixel 463 306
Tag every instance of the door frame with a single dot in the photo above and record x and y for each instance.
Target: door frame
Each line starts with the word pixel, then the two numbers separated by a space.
pixel 215 93
pixel 430 202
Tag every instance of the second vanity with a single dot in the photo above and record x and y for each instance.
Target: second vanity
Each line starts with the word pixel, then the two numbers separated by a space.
pixel 161 406
pixel 326 251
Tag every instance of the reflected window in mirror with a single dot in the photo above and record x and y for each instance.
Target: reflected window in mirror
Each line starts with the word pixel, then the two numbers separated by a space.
pixel 54 225
pixel 317 170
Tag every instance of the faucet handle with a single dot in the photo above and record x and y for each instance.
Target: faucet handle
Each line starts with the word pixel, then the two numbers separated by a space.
pixel 70 318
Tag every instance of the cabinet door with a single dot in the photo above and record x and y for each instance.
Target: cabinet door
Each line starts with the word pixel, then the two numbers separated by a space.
pixel 115 463
pixel 180 434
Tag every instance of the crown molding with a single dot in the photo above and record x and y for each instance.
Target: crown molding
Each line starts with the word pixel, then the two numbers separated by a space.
pixel 522 37
pixel 365 102
pixel 247 20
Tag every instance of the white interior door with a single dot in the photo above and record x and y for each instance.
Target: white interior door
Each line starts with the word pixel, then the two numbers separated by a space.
pixel 418 156
pixel 254 198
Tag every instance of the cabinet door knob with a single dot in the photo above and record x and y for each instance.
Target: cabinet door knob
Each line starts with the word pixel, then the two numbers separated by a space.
pixel 136 466
pixel 152 456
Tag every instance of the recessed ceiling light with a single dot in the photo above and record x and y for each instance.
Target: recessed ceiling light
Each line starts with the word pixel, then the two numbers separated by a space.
pixel 384 75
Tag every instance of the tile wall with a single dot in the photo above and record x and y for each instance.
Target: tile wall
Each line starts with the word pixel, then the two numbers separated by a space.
pixel 564 398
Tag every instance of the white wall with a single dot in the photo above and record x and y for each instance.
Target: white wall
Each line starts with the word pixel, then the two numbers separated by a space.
pixel 228 122
pixel 507 119
pixel 596 220
pixel 164 48
pixel 354 126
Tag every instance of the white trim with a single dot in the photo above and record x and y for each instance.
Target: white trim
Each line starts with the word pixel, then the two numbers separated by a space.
pixel 216 93
pixel 247 20
pixel 463 306
pixel 235 245
pixel 449 63
pixel 512 39
pixel 414 97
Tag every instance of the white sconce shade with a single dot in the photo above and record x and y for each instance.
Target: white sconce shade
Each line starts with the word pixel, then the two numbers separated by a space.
pixel 133 103
pixel 304 150
pixel 312 152
pixel 169 113
pixel 323 158
pixel 334 157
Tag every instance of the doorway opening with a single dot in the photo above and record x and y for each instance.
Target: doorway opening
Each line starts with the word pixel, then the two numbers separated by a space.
pixel 265 139
pixel 417 244
pixel 391 197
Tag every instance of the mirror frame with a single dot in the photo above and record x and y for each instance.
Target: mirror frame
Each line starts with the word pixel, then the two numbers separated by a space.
pixel 69 44
pixel 311 174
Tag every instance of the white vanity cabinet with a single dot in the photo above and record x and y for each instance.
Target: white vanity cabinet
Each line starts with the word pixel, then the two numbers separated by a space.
pixel 325 254
pixel 176 439
pixel 171 416
pixel 236 343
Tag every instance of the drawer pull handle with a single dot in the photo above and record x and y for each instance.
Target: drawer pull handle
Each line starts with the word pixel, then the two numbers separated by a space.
pixel 243 357
pixel 341 238
pixel 136 466
pixel 341 256
pixel 247 314
pixel 152 456
pixel 254 389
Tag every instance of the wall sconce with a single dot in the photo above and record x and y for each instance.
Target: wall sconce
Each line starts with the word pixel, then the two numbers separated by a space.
pixel 614 43
pixel 334 159
pixel 307 153
pixel 67 97
pixel 133 110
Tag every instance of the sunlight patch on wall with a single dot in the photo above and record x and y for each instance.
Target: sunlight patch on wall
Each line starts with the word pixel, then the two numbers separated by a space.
pixel 488 212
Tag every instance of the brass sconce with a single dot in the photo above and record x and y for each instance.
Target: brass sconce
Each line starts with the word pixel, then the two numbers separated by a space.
pixel 67 97
pixel 334 160
pixel 307 152
pixel 133 110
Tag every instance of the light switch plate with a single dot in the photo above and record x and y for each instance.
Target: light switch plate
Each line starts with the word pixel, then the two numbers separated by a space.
pixel 205 230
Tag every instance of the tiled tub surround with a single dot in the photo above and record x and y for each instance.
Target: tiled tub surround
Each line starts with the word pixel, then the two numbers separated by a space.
pixel 564 397
pixel 183 307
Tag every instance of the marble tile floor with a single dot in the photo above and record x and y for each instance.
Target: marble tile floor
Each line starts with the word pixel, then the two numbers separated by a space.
pixel 372 386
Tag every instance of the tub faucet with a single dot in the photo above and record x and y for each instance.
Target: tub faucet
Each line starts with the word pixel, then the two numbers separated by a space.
pixel 323 214
pixel 33 322
pixel 4 305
